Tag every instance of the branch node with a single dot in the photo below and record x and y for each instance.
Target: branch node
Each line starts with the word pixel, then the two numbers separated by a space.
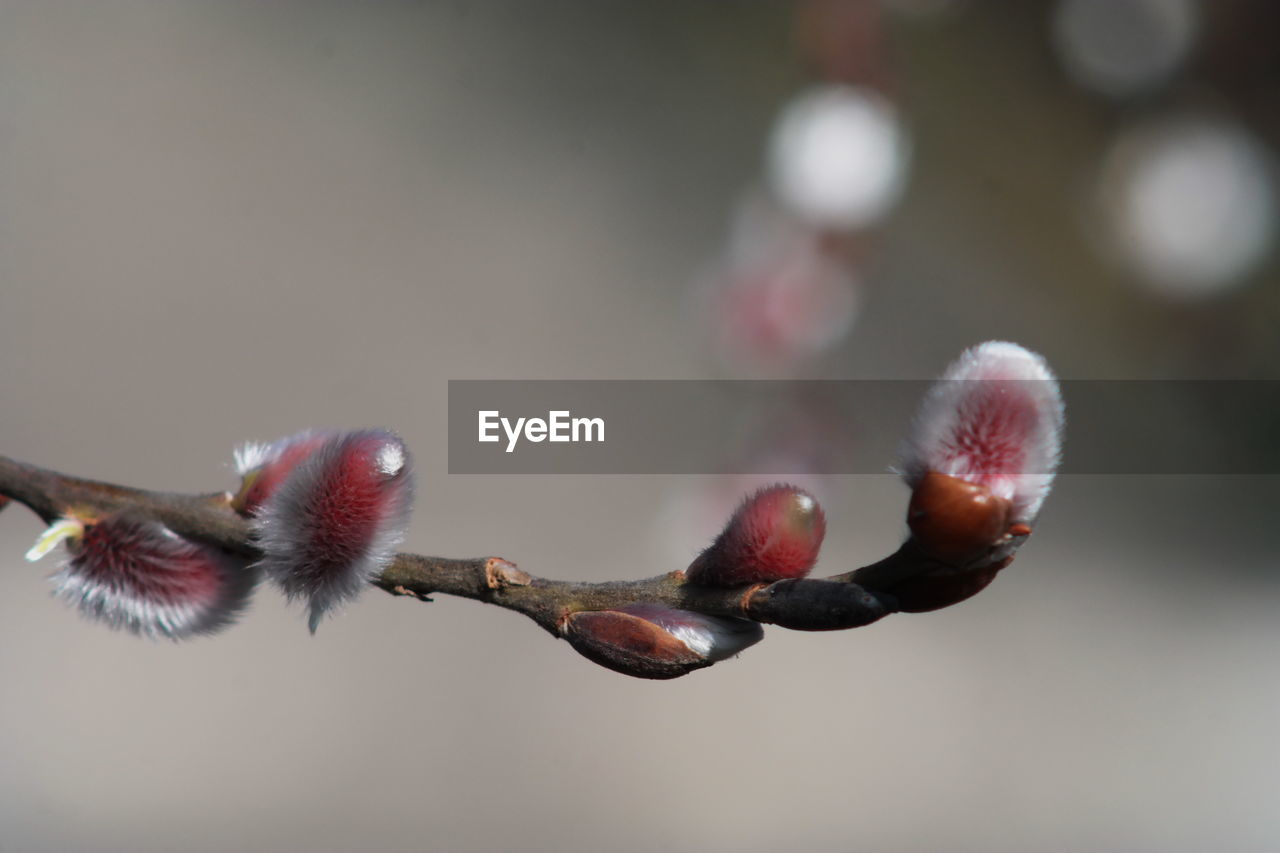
pixel 745 602
pixel 500 573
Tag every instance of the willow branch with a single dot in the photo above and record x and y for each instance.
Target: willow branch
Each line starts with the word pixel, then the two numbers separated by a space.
pixel 842 601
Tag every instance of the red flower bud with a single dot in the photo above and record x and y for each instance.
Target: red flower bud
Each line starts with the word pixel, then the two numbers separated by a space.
pixel 654 641
pixel 263 467
pixel 138 574
pixel 775 534
pixel 336 520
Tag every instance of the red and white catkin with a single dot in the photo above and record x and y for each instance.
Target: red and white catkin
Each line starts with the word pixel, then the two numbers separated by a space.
pixel 981 454
pixel 139 575
pixel 774 534
pixel 335 521
pixel 263 467
pixel 655 641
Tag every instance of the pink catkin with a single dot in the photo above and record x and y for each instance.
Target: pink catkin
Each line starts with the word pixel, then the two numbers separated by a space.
pixel 345 510
pixel 138 575
pixel 995 420
pixel 336 520
pixel 265 467
pixel 775 534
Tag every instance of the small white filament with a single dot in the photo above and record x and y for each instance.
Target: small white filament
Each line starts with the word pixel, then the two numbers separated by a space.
pixel 252 455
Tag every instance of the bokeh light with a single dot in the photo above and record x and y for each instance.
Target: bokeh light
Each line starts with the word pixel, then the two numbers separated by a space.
pixel 1191 204
pixel 838 156
pixel 1123 47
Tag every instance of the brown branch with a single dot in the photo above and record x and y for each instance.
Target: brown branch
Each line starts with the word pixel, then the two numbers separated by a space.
pixel 907 580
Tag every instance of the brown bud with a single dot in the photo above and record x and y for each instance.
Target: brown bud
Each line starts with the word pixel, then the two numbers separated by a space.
pixel 631 645
pixel 956 522
pixel 815 605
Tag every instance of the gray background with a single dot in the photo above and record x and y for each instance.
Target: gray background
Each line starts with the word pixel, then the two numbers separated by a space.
pixel 230 221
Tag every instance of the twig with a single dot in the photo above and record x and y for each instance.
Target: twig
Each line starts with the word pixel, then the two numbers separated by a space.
pixel 847 600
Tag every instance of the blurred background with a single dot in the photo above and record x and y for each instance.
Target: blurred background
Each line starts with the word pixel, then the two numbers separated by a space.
pixel 231 221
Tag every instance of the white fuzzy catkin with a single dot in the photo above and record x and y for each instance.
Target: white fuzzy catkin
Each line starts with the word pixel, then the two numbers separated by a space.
pixel 996 419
